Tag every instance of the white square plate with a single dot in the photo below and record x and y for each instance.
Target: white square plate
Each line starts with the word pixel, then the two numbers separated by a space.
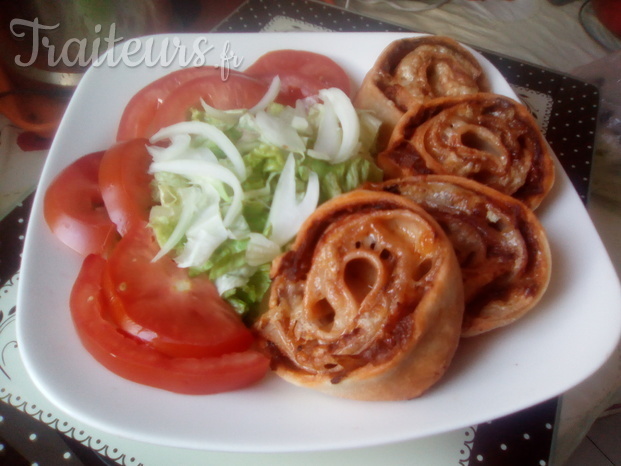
pixel 564 340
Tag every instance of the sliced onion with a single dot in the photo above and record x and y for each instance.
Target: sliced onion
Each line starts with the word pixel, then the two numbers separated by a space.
pixel 269 97
pixel 286 213
pixel 209 132
pixel 193 169
pixel 329 134
pixel 279 133
pixel 180 148
pixel 348 119
pixel 206 233
pixel 227 116
pixel 191 198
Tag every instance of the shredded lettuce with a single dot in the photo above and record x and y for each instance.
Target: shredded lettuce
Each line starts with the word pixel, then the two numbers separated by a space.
pixel 236 185
pixel 261 250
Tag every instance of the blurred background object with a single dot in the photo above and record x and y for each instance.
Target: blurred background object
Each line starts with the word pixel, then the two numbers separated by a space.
pixel 609 14
pixel 46 46
pixel 405 5
pixel 602 21
pixel 605 73
pixel 561 2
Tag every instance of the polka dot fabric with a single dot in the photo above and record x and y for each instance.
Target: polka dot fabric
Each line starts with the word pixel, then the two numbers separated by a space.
pixel 523 438
pixel 26 441
pixel 253 16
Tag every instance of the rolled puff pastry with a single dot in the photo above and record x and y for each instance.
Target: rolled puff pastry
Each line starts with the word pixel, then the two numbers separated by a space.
pixel 368 302
pixel 501 246
pixel 413 70
pixel 489 138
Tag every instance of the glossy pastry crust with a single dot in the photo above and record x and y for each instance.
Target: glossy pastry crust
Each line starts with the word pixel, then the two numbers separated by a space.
pixel 501 246
pixel 414 70
pixel 489 138
pixel 368 302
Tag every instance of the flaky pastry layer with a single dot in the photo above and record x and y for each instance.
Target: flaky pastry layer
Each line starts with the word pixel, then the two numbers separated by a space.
pixel 501 246
pixel 368 303
pixel 413 70
pixel 489 138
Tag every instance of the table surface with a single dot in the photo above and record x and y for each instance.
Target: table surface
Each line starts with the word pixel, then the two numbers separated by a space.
pixel 549 94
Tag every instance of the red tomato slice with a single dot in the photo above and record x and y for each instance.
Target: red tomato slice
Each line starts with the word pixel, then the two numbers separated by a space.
pixel 126 184
pixel 302 74
pixel 74 210
pixel 160 303
pixel 139 112
pixel 137 361
pixel 235 91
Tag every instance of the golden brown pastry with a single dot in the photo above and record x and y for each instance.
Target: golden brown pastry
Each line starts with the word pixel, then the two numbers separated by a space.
pixel 500 244
pixel 368 302
pixel 413 70
pixel 489 138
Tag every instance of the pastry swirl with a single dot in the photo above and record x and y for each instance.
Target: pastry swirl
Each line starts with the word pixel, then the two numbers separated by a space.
pixel 501 246
pixel 368 302
pixel 414 70
pixel 489 138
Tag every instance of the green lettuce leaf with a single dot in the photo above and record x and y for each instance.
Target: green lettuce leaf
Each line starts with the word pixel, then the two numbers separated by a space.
pixel 243 285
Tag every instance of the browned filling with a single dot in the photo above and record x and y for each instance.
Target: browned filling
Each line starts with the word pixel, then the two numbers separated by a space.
pixel 499 244
pixel 484 137
pixel 345 294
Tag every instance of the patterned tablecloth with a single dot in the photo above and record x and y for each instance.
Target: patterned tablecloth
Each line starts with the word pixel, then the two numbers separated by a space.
pixel 566 110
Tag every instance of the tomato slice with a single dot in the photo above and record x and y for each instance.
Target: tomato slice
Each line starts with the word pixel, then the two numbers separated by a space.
pixel 235 91
pixel 137 361
pixel 74 210
pixel 160 303
pixel 302 73
pixel 139 112
pixel 126 184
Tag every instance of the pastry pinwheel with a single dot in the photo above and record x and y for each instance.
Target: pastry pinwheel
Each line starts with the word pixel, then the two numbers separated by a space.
pixel 368 302
pixel 489 138
pixel 501 246
pixel 416 69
